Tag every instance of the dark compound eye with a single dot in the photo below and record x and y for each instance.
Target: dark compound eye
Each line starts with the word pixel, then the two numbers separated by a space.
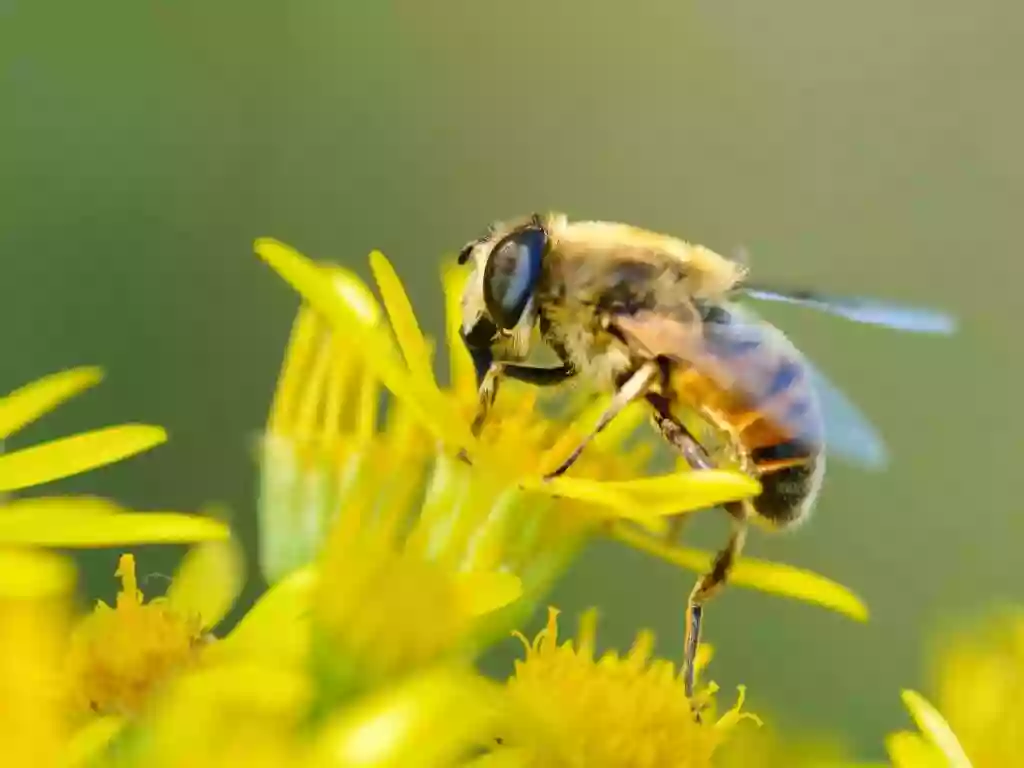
pixel 511 275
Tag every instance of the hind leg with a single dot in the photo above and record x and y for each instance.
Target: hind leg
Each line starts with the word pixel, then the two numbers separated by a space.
pixel 711 583
pixel 680 438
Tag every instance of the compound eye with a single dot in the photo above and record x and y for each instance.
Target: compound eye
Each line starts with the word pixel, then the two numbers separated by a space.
pixel 511 275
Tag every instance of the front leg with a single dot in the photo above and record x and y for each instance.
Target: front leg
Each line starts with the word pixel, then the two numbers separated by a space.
pixel 636 385
pixel 540 377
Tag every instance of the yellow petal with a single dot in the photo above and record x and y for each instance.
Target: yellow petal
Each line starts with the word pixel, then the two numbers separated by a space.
pixel 911 750
pixel 208 580
pixel 463 376
pixel 35 593
pixel 306 277
pixel 356 295
pixel 935 727
pixel 774 578
pixel 41 396
pixel 652 497
pixel 76 454
pixel 429 721
pixel 91 739
pixel 276 629
pixel 687 491
pixel 27 575
pixel 78 525
pixel 48 505
pixel 483 592
pixel 403 319
pixel 607 502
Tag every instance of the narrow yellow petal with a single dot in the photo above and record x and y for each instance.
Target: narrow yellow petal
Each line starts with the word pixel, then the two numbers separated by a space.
pixel 481 593
pixel 687 491
pixel 276 628
pixel 208 580
pixel 355 293
pixel 306 277
pixel 652 497
pixel 463 375
pixel 403 318
pixel 26 575
pixel 301 347
pixel 28 403
pixel 607 503
pixel 430 720
pixel 774 578
pixel 911 750
pixel 90 740
pixel 76 454
pixel 68 527
pixel 935 727
pixel 50 505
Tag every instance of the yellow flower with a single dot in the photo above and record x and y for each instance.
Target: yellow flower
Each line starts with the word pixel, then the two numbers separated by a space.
pixel 977 719
pixel 342 350
pixel 422 548
pixel 626 711
pixel 120 655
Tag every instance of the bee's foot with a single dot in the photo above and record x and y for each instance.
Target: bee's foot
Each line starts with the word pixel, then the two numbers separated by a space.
pixel 464 457
pixel 556 474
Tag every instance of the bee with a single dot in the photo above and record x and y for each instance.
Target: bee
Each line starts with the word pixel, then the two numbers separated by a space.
pixel 647 316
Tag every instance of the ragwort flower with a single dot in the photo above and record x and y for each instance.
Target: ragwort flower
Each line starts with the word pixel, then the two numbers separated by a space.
pixel 979 688
pixel 121 654
pixel 606 490
pixel 439 544
pixel 613 711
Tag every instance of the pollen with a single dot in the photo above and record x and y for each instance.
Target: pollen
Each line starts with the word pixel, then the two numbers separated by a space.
pixel 120 654
pixel 627 711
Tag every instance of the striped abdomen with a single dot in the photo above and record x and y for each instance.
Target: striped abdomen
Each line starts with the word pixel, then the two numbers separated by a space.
pixel 770 412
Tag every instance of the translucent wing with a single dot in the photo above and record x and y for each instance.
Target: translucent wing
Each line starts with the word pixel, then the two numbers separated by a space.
pixel 841 426
pixel 755 362
pixel 864 310
pixel 848 432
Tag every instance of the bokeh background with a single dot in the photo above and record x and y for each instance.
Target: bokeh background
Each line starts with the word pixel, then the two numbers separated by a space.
pixel 870 147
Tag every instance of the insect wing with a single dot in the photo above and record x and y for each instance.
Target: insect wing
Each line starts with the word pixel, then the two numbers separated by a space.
pixel 848 433
pixel 736 358
pixel 839 425
pixel 864 310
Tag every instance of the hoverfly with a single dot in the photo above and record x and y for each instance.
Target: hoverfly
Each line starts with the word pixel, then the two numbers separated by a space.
pixel 642 315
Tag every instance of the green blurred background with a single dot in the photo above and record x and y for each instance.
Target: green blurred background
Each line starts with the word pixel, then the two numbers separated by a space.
pixel 862 147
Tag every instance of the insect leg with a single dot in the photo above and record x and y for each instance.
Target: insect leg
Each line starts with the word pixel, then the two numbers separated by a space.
pixel 635 386
pixel 540 377
pixel 711 583
pixel 680 438
pixel 487 393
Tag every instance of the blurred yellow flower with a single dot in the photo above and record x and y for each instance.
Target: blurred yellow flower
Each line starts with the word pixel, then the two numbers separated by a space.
pixel 979 688
pixel 614 711
pixel 120 655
